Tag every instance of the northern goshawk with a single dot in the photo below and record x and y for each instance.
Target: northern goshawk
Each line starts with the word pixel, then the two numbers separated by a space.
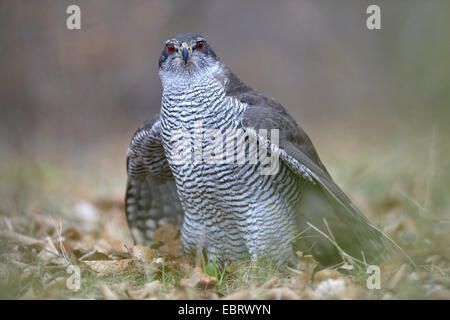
pixel 233 209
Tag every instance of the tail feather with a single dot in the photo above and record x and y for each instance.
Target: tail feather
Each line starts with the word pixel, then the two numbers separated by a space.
pixel 149 204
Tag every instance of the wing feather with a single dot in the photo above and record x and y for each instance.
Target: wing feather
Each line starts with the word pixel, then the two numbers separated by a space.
pixel 151 196
pixel 335 211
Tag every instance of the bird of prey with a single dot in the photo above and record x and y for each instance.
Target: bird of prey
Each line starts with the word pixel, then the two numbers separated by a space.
pixel 229 209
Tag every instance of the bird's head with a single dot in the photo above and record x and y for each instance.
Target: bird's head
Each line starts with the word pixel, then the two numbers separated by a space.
pixel 186 54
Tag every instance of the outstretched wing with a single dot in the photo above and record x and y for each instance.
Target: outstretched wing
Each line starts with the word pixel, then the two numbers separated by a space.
pixel 151 197
pixel 329 222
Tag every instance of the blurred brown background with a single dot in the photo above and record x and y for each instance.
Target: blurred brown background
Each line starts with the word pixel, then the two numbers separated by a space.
pixel 71 100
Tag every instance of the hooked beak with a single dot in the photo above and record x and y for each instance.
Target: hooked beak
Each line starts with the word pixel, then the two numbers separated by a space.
pixel 185 55
pixel 185 52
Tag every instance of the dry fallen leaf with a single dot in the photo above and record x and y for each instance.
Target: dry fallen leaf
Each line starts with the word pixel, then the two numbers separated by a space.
pixel 105 267
pixel 93 255
pixel 331 288
pixel 107 293
pixel 310 294
pixel 153 266
pixel 149 291
pixel 283 293
pixel 141 253
pixel 240 295
pixel 204 280
pixel 306 264
pixel 66 249
pixel 79 248
pixel 101 245
pixel 72 234
pixel 199 279
pixel 327 274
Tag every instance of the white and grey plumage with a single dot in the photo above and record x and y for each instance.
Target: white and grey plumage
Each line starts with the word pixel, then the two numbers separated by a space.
pixel 231 210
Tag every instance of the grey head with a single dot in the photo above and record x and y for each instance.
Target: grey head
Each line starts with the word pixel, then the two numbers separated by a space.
pixel 186 54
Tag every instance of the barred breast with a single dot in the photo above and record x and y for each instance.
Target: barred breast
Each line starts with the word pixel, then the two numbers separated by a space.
pixel 231 209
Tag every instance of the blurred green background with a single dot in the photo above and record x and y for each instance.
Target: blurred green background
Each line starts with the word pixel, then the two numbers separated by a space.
pixel 375 103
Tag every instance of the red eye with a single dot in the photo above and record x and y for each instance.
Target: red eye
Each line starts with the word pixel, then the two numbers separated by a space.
pixel 170 48
pixel 199 45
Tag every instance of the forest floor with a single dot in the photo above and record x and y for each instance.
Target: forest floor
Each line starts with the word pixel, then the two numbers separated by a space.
pixel 66 237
